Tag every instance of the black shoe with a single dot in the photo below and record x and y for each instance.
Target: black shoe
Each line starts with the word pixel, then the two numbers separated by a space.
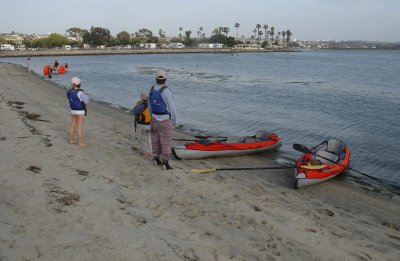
pixel 157 161
pixel 167 166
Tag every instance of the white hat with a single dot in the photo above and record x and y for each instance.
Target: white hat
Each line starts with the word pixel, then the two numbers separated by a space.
pixel 144 96
pixel 75 80
pixel 161 75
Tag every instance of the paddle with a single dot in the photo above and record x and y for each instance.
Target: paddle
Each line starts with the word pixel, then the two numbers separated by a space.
pixel 258 168
pixel 203 138
pixel 306 150
pixel 211 137
pixel 223 169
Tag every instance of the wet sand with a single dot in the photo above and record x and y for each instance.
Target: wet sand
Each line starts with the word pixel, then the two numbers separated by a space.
pixel 106 202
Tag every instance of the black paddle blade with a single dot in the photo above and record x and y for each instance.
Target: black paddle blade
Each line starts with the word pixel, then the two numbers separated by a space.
pixel 302 148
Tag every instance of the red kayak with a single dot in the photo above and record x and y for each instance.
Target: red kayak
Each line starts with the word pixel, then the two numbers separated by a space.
pixel 230 146
pixel 324 162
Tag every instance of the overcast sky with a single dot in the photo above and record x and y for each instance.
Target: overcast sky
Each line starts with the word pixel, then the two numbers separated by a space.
pixel 372 20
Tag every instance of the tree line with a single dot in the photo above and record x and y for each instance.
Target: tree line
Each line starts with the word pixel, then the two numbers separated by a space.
pixel 99 36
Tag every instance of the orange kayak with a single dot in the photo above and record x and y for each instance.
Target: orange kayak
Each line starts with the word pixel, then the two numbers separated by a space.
pixel 333 156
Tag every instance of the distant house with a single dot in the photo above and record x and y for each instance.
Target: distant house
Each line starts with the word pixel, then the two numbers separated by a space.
pixel 66 47
pixel 176 45
pixel 211 45
pixel 148 46
pixel 21 47
pixel 7 47
pixel 247 46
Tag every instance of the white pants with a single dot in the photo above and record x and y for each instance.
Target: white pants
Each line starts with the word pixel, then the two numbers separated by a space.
pixel 144 137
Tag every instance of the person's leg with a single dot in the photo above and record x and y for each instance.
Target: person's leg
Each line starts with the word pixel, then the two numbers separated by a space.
pixel 155 141
pixel 147 137
pixel 72 129
pixel 144 137
pixel 165 140
pixel 79 124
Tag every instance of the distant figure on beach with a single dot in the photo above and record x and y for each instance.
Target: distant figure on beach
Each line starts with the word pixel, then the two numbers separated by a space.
pixel 77 101
pixel 50 72
pixel 55 64
pixel 163 118
pixel 28 64
pixel 142 124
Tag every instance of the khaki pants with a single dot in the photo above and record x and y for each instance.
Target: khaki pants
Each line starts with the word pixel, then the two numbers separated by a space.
pixel 143 133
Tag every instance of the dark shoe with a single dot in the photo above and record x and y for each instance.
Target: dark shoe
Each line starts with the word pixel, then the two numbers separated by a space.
pixel 167 166
pixel 157 161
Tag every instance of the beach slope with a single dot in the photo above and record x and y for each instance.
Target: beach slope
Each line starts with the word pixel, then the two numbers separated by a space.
pixel 106 202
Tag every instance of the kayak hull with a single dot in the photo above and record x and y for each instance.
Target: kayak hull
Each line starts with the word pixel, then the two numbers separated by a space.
pixel 308 177
pixel 224 149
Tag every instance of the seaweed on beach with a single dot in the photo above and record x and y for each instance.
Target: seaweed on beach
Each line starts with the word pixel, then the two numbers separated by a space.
pixel 11 103
pixel 82 172
pixel 32 116
pixel 391 225
pixel 34 169
pixel 63 197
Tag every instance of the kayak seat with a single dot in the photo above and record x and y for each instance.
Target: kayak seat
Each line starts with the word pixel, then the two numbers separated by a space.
pixel 326 157
pixel 250 140
pixel 336 147
pixel 261 135
pixel 235 140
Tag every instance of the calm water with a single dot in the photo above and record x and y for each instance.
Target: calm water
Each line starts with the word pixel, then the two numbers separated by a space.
pixel 306 97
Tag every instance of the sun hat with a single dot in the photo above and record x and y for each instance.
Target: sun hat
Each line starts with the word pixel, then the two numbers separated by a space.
pixel 144 96
pixel 75 80
pixel 161 75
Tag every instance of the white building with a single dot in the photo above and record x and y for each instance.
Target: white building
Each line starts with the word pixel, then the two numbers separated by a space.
pixel 176 45
pixel 148 46
pixel 247 46
pixel 211 45
pixel 66 47
pixel 7 47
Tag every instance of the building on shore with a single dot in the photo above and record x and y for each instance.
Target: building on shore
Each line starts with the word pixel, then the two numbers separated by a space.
pixel 7 47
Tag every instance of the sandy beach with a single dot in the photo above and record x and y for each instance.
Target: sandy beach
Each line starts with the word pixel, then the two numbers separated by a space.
pixel 107 202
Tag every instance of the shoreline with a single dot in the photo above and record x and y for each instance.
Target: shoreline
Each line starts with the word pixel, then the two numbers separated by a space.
pixel 107 202
pixel 135 51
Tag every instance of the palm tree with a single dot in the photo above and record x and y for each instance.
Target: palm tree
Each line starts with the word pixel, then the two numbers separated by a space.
pixel 237 30
pixel 265 32
pixel 272 33
pixel 225 30
pixel 288 35
pixel 277 37
pixel 283 38
pixel 180 33
pixel 260 33
pixel 258 26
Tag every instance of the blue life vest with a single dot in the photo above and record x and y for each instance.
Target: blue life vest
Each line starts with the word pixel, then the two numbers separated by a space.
pixel 158 105
pixel 74 102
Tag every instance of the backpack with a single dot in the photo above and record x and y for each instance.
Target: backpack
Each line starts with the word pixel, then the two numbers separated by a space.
pixel 158 105
pixel 144 117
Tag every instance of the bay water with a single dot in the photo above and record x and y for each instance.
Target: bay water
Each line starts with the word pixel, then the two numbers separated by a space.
pixel 305 97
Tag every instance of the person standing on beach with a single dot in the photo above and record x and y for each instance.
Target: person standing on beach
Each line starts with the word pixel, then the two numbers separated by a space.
pixel 142 124
pixel 77 100
pixel 28 64
pixel 163 118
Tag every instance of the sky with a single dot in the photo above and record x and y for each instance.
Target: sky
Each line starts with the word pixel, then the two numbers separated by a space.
pixel 369 20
